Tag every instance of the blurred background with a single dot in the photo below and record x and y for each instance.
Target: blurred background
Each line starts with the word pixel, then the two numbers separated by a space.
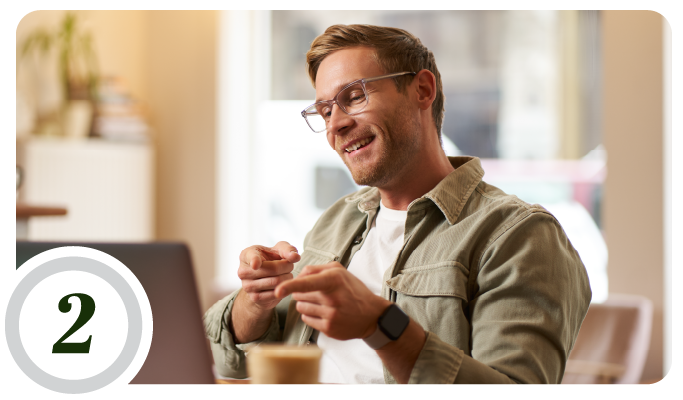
pixel 185 125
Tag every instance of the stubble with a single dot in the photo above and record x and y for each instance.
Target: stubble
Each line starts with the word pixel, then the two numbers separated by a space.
pixel 397 149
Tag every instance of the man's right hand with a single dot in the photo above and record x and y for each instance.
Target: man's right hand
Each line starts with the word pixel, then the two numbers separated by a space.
pixel 261 270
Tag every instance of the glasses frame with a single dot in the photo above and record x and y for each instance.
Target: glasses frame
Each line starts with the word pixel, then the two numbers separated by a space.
pixel 362 81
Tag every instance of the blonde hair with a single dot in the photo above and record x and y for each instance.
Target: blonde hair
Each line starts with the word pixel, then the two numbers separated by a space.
pixel 396 50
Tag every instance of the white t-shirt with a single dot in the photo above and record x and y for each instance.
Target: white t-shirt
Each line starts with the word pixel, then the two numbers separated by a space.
pixel 353 361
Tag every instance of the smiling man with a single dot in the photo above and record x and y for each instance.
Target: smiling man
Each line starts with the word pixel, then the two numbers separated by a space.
pixel 427 275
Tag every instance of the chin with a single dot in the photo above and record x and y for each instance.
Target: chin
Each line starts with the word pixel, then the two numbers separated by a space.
pixel 369 176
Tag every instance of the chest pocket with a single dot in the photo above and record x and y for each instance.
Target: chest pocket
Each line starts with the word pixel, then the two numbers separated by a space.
pixel 313 256
pixel 435 296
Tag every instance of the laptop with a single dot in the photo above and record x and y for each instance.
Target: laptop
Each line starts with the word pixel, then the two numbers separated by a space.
pixel 179 352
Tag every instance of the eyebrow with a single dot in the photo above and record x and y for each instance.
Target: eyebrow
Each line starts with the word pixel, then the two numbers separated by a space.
pixel 338 88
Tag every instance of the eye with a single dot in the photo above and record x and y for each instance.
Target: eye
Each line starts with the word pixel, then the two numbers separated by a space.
pixel 356 97
pixel 324 110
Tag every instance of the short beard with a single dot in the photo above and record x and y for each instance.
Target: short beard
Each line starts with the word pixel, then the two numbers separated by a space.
pixel 400 147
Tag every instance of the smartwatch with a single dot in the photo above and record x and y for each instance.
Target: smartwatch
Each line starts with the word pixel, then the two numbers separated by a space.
pixel 390 326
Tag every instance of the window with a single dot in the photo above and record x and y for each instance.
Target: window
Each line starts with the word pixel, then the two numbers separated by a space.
pixel 522 93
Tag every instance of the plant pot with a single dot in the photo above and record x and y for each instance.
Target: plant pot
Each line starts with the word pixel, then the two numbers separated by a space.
pixel 78 116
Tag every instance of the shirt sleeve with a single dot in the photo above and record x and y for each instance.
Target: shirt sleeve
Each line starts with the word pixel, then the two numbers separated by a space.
pixel 228 356
pixel 531 296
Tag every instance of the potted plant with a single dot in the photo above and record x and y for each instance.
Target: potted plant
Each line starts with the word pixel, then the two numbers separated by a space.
pixel 77 70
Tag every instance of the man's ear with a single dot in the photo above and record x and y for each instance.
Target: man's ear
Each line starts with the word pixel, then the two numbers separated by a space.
pixel 426 88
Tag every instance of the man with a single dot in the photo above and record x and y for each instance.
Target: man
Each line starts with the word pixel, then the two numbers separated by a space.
pixel 428 275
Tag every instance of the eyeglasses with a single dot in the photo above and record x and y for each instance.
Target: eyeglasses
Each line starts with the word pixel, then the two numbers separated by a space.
pixel 352 99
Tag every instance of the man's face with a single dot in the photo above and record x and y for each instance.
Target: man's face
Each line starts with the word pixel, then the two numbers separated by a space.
pixel 386 128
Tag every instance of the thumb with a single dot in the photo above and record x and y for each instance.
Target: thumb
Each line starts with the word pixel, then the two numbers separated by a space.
pixel 287 252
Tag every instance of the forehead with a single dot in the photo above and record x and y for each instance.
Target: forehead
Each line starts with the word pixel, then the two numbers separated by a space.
pixel 344 66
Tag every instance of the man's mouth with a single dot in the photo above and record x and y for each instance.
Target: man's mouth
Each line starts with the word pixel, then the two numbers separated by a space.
pixel 359 144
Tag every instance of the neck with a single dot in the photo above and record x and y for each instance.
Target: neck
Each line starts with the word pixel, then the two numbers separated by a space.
pixel 416 181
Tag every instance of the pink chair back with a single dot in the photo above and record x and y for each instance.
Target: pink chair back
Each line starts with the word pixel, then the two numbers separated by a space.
pixel 613 342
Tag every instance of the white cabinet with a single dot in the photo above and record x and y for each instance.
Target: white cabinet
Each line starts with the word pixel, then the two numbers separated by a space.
pixel 107 188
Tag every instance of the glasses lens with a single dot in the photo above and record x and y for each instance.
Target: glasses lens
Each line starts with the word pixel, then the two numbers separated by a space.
pixel 353 99
pixel 314 117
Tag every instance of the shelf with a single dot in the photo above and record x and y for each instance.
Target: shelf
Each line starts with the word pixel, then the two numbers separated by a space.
pixel 25 211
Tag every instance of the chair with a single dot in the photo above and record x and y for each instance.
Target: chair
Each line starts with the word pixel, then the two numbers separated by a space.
pixel 613 342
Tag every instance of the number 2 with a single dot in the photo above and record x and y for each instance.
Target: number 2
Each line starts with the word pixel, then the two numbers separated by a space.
pixel 87 311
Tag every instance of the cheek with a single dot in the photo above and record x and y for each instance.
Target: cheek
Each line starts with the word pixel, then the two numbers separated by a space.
pixel 330 140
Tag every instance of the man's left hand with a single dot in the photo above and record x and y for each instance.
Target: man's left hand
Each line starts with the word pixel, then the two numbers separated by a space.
pixel 333 301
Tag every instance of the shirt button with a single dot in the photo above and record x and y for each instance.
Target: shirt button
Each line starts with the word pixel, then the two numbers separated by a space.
pixel 358 239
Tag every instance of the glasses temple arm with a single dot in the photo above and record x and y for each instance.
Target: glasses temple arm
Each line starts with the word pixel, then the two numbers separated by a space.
pixel 397 74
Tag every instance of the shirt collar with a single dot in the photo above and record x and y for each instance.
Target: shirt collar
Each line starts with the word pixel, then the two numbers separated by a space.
pixel 449 195
pixel 367 199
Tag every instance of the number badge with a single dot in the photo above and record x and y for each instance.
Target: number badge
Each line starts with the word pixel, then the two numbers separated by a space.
pixel 73 325
pixel 78 320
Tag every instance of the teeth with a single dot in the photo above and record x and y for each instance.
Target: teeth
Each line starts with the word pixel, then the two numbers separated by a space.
pixel 356 145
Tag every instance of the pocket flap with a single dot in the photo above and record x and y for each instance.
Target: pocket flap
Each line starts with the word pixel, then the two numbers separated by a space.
pixel 446 278
pixel 312 256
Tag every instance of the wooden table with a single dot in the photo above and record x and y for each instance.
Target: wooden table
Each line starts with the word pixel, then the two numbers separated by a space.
pixel 25 211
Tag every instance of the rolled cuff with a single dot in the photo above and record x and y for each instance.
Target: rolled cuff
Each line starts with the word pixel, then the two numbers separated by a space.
pixel 228 356
pixel 439 362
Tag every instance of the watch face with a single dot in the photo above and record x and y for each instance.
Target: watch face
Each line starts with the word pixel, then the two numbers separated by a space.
pixel 393 322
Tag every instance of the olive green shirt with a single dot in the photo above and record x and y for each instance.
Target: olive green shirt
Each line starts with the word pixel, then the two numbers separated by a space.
pixel 494 282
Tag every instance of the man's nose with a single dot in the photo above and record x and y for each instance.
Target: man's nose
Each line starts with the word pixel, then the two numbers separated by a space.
pixel 339 121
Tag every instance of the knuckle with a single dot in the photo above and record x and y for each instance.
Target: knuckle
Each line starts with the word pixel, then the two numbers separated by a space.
pixel 336 277
pixel 254 296
pixel 270 281
pixel 244 254
pixel 265 296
